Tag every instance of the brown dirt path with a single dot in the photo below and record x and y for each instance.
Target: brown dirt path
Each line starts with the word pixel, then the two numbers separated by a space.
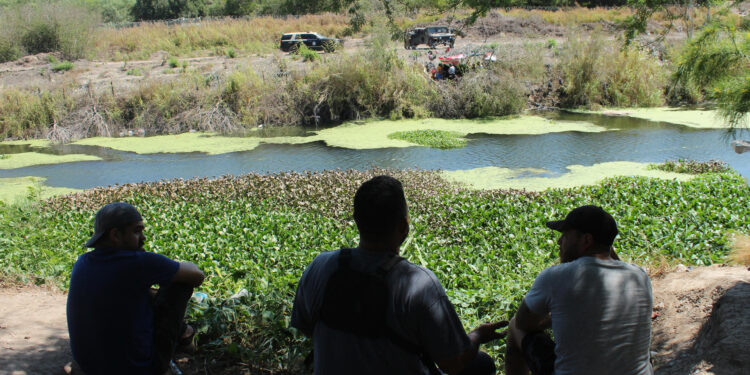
pixel 33 332
pixel 702 327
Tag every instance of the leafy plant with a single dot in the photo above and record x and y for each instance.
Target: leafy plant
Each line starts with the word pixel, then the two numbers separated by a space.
pixel 258 232
pixel 432 138
pixel 231 53
pixel 62 67
pixel 306 53
pixel 135 72
pixel 172 62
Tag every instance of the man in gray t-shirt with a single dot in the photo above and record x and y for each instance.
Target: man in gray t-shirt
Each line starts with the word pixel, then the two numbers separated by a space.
pixel 599 308
pixel 421 327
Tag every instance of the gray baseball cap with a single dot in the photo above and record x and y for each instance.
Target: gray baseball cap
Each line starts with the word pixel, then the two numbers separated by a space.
pixel 112 215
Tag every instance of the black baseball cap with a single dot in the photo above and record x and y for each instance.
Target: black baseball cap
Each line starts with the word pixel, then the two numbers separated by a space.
pixel 589 219
pixel 112 215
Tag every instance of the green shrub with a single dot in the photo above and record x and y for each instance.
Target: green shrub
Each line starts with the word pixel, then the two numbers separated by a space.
pixel 481 93
pixel 41 37
pixel 62 67
pixel 63 27
pixel 173 62
pixel 597 74
pixel 9 51
pixel 432 138
pixel 231 53
pixel 306 53
pixel 135 72
pixel 551 43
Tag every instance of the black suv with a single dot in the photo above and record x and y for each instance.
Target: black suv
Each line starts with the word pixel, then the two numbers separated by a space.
pixel 432 36
pixel 291 41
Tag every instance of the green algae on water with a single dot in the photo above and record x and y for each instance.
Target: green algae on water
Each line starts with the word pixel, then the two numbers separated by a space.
pixel 374 134
pixel 693 118
pixel 209 143
pixel 27 159
pixel 534 179
pixel 18 188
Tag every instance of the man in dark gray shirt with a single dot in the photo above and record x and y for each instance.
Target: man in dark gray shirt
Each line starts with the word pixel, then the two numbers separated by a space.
pixel 599 308
pixel 414 326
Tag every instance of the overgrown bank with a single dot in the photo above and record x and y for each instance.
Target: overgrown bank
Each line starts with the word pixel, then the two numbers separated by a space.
pixel 258 232
pixel 375 84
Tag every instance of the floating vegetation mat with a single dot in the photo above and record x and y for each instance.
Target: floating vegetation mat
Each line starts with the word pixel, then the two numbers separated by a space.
pixel 27 159
pixel 18 189
pixel 694 118
pixel 259 232
pixel 540 179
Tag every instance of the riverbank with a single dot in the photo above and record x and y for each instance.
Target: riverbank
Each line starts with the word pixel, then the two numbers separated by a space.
pixel 257 232
pixel 537 58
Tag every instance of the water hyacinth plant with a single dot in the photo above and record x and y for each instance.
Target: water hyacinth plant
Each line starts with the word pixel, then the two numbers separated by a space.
pixel 258 233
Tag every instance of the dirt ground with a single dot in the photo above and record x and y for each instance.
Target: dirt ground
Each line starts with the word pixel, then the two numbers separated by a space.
pixel 702 327
pixel 35 70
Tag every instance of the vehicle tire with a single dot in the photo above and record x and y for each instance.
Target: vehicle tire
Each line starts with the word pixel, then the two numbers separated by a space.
pixel 451 44
pixel 432 45
pixel 293 48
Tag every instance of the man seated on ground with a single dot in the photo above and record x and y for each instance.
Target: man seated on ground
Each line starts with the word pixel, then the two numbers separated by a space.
pixel 117 324
pixel 369 311
pixel 599 308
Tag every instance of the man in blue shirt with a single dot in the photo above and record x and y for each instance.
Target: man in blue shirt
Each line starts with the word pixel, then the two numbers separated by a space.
pixel 116 323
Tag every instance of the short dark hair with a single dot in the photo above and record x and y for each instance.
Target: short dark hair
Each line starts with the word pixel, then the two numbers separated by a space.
pixel 378 205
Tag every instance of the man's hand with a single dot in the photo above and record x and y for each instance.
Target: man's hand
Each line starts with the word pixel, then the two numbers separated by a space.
pixel 488 331
pixel 484 333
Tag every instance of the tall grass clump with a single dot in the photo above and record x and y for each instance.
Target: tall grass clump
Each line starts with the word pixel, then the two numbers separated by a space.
pixel 595 73
pixel 481 93
pixel 48 27
pixel 30 114
pixel 254 35
pixel 376 83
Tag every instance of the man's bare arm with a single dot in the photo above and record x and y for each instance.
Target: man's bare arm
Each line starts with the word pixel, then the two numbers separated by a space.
pixel 528 321
pixel 189 274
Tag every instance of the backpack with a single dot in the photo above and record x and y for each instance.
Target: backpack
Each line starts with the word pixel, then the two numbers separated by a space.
pixel 356 302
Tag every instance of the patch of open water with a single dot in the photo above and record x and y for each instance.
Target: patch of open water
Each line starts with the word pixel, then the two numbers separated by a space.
pixel 628 139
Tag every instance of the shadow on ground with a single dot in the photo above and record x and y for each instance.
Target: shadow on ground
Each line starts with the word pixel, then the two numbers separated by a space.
pixel 721 345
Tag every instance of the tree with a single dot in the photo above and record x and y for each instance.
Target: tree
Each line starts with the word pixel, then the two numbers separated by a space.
pixel 718 60
pixel 148 10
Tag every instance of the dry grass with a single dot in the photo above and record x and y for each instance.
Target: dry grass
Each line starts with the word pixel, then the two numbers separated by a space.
pixel 573 16
pixel 255 35
pixel 740 249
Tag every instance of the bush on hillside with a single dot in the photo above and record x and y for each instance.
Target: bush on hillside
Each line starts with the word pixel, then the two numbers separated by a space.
pixel 56 27
pixel 8 51
pixel 148 10
pixel 478 94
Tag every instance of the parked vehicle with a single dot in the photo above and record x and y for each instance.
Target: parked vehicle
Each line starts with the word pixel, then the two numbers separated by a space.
pixel 291 41
pixel 432 36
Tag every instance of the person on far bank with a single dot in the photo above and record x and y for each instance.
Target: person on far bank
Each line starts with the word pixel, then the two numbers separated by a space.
pixel 599 308
pixel 117 324
pixel 369 311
